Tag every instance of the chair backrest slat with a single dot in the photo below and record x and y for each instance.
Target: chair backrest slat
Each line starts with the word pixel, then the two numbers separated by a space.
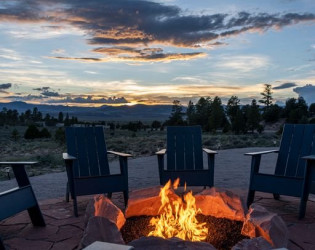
pixel 197 147
pixel 101 151
pixel 297 141
pixel 72 148
pixel 307 146
pixel 184 148
pixel 295 148
pixel 88 146
pixel 180 150
pixel 284 149
pixel 189 151
pixel 91 152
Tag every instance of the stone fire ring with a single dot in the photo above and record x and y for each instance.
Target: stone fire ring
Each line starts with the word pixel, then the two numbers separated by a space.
pixel 266 230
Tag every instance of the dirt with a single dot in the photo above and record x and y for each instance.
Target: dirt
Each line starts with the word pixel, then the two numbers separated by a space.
pixel 222 234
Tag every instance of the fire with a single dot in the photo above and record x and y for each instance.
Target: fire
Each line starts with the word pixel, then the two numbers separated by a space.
pixel 178 217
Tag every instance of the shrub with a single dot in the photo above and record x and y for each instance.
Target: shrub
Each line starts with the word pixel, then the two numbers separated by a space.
pixel 44 133
pixel 60 136
pixel 15 134
pixel 31 132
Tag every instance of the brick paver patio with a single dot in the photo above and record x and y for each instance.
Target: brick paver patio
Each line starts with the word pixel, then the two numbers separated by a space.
pixel 64 231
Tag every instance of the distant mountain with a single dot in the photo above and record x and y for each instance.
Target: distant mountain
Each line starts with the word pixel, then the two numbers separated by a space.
pixel 108 113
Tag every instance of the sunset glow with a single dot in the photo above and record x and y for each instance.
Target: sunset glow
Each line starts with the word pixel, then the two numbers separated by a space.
pixel 119 52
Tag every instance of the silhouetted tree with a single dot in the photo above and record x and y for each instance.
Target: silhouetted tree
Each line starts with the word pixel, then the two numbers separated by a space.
pixel 266 95
pixel 176 117
pixel 67 121
pixel 296 110
pixel 191 113
pixel 203 112
pixel 60 117
pixel 253 117
pixel 156 125
pixel 44 133
pixel 217 115
pixel 312 109
pixel 31 132
pixel 272 113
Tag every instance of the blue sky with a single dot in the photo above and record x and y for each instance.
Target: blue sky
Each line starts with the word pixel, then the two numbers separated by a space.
pixel 99 52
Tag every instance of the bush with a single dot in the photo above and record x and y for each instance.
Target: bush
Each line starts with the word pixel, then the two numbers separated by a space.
pixel 44 133
pixel 31 132
pixel 15 134
pixel 60 136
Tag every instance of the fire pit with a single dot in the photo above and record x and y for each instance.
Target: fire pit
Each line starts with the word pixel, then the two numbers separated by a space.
pixel 159 218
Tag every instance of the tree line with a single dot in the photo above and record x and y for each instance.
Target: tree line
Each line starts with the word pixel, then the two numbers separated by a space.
pixel 212 115
pixel 30 117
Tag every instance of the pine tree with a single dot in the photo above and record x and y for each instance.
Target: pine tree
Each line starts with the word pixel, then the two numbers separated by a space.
pixel 217 114
pixel 267 95
pixel 253 117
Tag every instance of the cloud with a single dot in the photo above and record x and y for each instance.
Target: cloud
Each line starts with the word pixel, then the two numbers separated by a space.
pixel 90 99
pixel 5 85
pixel 243 63
pixel 26 97
pixel 307 92
pixel 154 57
pixel 285 85
pixel 123 25
pixel 45 91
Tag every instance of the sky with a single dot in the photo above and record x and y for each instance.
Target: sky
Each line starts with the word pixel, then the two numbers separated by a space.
pixel 96 52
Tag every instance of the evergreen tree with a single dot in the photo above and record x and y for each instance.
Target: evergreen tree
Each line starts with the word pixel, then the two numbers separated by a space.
pixel 253 117
pixel 31 132
pixel 67 121
pixel 176 117
pixel 60 117
pixel 272 113
pixel 233 105
pixel 312 109
pixel 44 133
pixel 217 115
pixel 239 124
pixel 155 125
pixel 191 113
pixel 296 110
pixel 203 111
pixel 267 95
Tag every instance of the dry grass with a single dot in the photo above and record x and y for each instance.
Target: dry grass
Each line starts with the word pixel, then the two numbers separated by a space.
pixel 142 143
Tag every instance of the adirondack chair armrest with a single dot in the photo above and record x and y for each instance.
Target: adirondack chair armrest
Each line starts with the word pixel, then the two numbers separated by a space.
pixel 17 163
pixel 309 157
pixel 68 157
pixel 161 152
pixel 262 152
pixel 119 154
pixel 209 151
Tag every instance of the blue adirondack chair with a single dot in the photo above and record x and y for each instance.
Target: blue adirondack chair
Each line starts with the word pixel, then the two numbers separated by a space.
pixel 87 165
pixel 184 158
pixel 295 167
pixel 20 198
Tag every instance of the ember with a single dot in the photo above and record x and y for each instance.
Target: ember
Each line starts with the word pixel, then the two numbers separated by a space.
pixel 178 217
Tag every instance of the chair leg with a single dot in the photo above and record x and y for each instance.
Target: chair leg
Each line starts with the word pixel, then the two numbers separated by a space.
pixel 276 196
pixel 250 197
pixel 1 245
pixel 67 193
pixel 126 196
pixel 75 206
pixel 109 195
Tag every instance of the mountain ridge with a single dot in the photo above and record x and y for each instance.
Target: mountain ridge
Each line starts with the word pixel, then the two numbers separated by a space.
pixel 105 112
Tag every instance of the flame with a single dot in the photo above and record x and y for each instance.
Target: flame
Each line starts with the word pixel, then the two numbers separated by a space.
pixel 178 217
